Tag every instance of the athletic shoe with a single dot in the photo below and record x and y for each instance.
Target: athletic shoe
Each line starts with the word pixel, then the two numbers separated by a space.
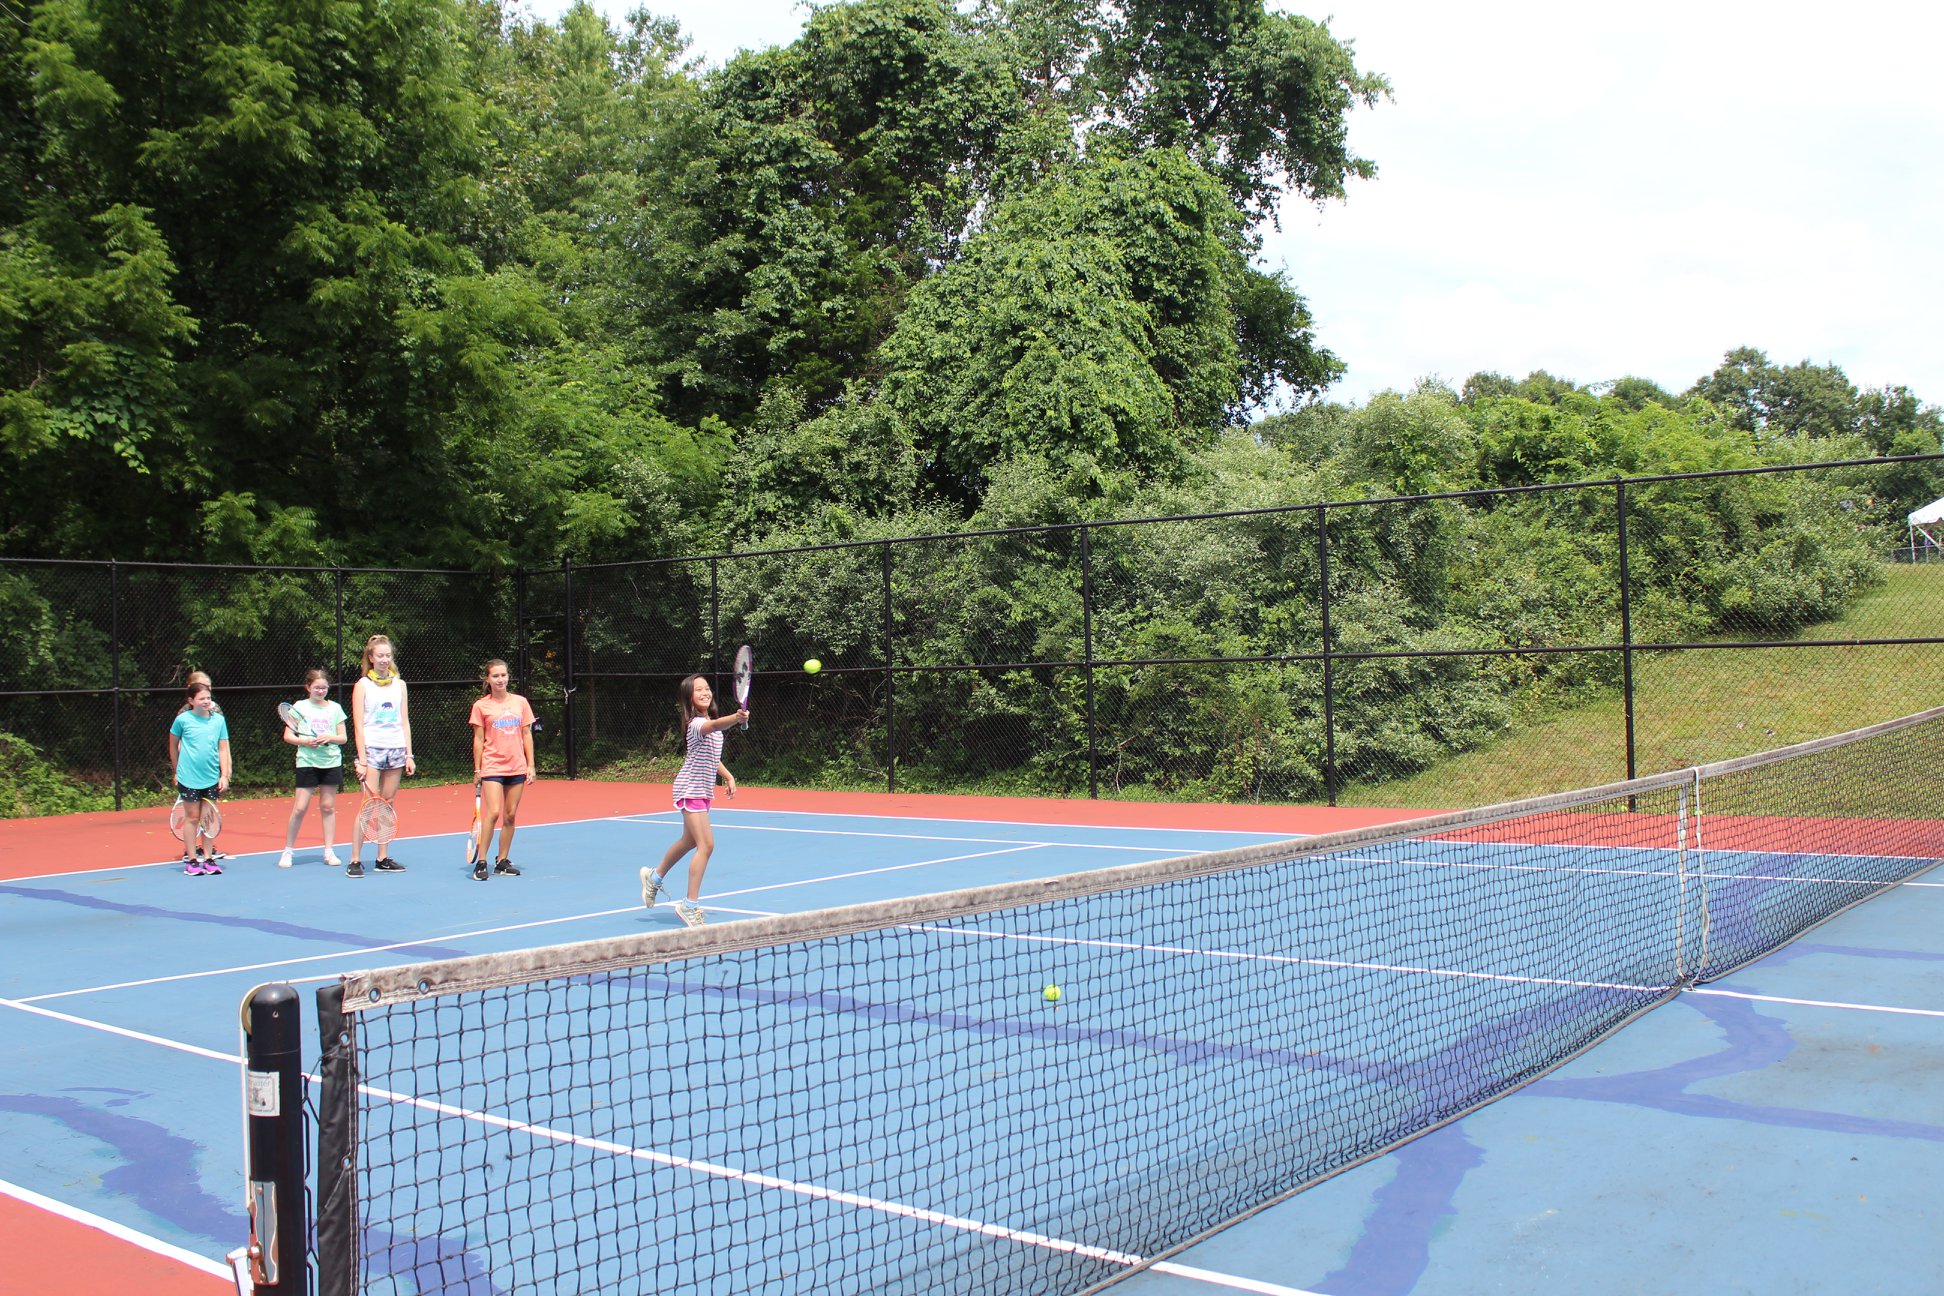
pixel 650 887
pixel 284 860
pixel 211 868
pixel 215 854
pixel 355 870
pixel 389 865
pixel 479 871
pixel 330 857
pixel 506 867
pixel 191 866
pixel 691 913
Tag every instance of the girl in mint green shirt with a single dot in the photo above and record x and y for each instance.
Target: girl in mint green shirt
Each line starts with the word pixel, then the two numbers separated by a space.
pixel 318 737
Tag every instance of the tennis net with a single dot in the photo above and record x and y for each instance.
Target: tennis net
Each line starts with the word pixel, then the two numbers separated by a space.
pixel 883 1098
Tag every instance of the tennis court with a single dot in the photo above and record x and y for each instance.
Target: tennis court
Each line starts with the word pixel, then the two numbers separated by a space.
pixel 857 1080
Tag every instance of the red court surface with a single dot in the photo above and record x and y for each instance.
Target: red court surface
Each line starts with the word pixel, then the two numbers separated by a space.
pixel 48 1255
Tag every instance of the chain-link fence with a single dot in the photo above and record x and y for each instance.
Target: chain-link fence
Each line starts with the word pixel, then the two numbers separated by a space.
pixel 94 670
pixel 1435 650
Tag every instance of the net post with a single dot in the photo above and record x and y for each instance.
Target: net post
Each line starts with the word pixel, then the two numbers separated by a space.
pixel 337 1142
pixel 273 1093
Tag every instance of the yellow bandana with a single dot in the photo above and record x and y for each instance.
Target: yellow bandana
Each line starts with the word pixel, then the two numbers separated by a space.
pixel 376 678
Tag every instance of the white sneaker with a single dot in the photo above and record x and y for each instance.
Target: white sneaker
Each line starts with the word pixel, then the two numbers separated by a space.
pixel 330 857
pixel 691 913
pixel 650 887
pixel 284 860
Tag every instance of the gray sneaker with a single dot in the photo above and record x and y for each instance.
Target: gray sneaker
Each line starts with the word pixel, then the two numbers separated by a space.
pixel 691 913
pixel 650 887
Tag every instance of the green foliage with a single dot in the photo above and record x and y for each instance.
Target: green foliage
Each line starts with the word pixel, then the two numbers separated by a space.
pixel 30 786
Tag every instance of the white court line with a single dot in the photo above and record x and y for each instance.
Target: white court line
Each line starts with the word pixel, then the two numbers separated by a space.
pixel 246 855
pixel 1817 1003
pixel 1234 1281
pixel 1241 956
pixel 1014 849
pixel 1011 823
pixel 361 951
pixel 141 1037
pixel 355 952
pixel 1649 873
pixel 851 832
pixel 704 1168
pixel 885 1206
pixel 167 1250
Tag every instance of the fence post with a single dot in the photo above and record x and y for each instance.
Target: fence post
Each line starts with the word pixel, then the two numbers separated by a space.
pixel 715 618
pixel 1086 633
pixel 522 638
pixel 890 683
pixel 114 672
pixel 1626 625
pixel 337 663
pixel 567 667
pixel 1329 674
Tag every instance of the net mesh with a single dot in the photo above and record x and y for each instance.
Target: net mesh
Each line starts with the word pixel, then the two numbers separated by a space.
pixel 886 1099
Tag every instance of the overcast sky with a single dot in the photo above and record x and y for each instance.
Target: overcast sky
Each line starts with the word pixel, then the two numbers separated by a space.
pixel 1604 190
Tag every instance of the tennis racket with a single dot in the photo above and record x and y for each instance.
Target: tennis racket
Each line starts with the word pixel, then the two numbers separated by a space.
pixel 745 669
pixel 472 837
pixel 187 833
pixel 377 821
pixel 293 721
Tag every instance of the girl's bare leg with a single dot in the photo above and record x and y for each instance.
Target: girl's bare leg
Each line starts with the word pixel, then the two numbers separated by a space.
pixel 513 793
pixel 299 804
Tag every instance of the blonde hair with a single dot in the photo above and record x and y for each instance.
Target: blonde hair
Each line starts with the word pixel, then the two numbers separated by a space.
pixel 371 646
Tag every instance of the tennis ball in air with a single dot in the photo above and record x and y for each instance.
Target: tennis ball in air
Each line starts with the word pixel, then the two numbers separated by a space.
pixel 812 666
pixel 1052 994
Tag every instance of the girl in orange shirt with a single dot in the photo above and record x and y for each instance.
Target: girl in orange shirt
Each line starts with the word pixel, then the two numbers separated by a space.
pixel 502 765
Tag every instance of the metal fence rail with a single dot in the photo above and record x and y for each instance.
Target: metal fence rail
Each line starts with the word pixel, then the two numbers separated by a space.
pixel 1316 651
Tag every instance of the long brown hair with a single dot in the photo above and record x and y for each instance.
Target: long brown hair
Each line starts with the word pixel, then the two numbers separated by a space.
pixel 686 692
pixel 486 689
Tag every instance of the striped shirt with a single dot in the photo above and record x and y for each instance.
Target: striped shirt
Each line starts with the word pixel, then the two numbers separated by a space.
pixel 698 775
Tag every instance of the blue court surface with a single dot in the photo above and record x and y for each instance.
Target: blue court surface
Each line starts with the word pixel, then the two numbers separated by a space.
pixel 1778 1131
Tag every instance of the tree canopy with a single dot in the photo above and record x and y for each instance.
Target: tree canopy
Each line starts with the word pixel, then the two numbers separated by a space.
pixel 434 282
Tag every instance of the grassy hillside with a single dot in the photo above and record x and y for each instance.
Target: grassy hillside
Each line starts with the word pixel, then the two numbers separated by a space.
pixel 1702 705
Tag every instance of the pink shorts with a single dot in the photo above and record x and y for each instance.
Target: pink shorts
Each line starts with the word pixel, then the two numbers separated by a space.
pixel 694 805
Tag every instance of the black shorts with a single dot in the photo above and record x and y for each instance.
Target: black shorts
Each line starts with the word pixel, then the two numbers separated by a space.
pixel 311 776
pixel 195 794
pixel 505 780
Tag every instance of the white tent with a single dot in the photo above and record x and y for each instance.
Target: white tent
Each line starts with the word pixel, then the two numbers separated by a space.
pixel 1927 522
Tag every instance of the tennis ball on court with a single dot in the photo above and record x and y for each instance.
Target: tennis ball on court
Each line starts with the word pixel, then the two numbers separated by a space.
pixel 1052 994
pixel 812 666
